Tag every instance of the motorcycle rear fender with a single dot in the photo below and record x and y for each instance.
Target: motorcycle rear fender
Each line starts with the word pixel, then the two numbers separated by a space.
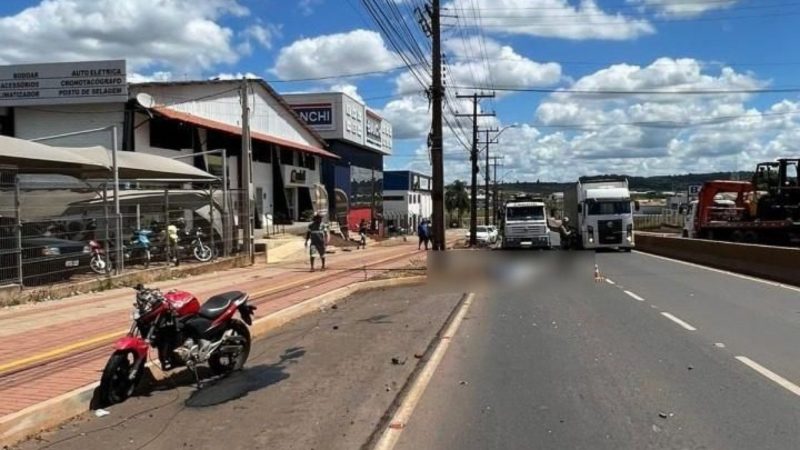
pixel 132 343
pixel 246 311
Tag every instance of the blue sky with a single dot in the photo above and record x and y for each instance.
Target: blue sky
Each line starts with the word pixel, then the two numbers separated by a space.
pixel 620 45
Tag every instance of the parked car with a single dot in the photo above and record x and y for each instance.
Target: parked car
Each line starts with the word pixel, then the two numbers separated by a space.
pixel 484 235
pixel 48 259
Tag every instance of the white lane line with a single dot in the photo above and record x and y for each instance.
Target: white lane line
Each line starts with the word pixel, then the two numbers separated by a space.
pixel 609 281
pixel 401 417
pixel 726 272
pixel 783 382
pixel 634 296
pixel 678 321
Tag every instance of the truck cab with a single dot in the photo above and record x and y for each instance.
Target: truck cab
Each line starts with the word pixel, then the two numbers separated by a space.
pixel 525 225
pixel 607 218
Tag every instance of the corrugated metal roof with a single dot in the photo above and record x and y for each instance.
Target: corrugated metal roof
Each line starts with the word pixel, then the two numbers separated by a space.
pixel 272 92
pixel 224 127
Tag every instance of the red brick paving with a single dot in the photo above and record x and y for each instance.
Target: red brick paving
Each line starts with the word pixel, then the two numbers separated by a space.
pixel 44 335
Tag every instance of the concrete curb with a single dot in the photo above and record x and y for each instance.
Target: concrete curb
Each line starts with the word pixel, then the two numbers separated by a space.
pixel 40 417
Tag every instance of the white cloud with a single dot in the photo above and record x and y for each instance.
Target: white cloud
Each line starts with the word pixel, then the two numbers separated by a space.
pixel 683 8
pixel 262 35
pixel 146 78
pixel 349 89
pixel 353 52
pixel 409 116
pixel 179 34
pixel 485 62
pixel 307 6
pixel 549 18
pixel 234 76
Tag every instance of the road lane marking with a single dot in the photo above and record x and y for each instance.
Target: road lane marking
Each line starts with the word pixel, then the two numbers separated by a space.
pixel 783 382
pixel 401 417
pixel 726 272
pixel 608 280
pixel 678 321
pixel 634 296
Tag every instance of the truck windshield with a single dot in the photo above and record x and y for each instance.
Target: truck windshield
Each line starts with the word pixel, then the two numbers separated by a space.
pixel 609 207
pixel 525 213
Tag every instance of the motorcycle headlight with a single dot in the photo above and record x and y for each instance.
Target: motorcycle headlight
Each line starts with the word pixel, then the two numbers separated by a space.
pixel 87 249
pixel 51 251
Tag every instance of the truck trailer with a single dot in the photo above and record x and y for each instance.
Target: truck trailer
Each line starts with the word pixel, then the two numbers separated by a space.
pixel 600 213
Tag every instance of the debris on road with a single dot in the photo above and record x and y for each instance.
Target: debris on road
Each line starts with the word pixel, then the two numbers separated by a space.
pixel 398 362
pixel 101 412
pixel 662 414
pixel 336 327
pixel 463 383
pixel 334 306
pixel 690 368
pixel 418 355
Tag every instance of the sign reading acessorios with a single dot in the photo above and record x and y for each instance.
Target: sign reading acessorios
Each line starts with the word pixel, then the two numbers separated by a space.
pixel 63 83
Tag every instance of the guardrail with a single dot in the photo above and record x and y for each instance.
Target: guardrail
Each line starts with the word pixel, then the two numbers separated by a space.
pixel 763 261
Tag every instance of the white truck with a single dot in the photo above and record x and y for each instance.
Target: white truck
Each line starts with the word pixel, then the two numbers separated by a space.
pixel 525 224
pixel 600 213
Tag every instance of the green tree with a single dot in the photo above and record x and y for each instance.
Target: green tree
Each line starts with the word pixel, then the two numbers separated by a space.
pixel 456 199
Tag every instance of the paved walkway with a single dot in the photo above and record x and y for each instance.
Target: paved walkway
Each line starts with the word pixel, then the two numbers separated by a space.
pixel 52 348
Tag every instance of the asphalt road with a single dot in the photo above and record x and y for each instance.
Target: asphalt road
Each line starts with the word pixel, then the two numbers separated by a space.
pixel 321 382
pixel 570 363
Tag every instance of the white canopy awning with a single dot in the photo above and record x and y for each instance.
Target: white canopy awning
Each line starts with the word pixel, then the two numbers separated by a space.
pixel 93 162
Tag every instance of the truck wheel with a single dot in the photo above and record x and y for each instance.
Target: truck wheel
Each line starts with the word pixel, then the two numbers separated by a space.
pixel 737 236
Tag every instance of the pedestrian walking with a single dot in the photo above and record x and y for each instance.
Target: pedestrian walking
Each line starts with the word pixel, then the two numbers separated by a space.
pixel 318 235
pixel 362 234
pixel 423 231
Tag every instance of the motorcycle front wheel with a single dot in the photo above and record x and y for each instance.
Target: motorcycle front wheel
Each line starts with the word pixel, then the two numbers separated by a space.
pixel 203 253
pixel 222 363
pixel 117 382
pixel 99 265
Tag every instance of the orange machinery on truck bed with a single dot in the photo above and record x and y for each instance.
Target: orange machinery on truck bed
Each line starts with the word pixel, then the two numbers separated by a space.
pixel 766 210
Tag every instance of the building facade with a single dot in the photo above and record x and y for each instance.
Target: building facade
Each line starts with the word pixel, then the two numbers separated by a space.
pixel 360 139
pixel 176 119
pixel 406 198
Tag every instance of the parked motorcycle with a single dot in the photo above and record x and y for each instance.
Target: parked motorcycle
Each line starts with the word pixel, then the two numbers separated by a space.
pixel 193 240
pixel 184 333
pixel 100 264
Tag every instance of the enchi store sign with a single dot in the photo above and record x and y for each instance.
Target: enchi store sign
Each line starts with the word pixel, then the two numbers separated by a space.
pixel 63 83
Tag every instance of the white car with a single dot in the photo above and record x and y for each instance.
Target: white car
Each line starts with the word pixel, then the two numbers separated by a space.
pixel 484 235
pixel 494 233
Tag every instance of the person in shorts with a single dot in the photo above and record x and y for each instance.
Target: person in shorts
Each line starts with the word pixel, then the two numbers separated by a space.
pixel 317 234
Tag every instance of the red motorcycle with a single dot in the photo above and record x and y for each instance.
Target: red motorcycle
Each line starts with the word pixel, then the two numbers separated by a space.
pixel 184 333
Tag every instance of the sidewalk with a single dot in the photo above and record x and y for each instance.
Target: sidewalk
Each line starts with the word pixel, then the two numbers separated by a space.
pixel 52 348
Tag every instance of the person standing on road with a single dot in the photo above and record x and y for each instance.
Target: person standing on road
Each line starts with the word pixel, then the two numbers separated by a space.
pixel 362 234
pixel 318 235
pixel 423 232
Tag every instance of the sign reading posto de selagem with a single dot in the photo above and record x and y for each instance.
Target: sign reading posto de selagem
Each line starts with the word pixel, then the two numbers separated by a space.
pixel 63 83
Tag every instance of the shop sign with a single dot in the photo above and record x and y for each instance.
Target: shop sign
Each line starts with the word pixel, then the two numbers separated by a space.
pixel 294 176
pixel 318 116
pixel 63 83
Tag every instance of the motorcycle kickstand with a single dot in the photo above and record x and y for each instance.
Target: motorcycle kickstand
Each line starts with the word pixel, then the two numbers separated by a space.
pixel 193 368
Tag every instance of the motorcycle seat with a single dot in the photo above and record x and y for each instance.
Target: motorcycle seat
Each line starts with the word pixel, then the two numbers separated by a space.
pixel 217 304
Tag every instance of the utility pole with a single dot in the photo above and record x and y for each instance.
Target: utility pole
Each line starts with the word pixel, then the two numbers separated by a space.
pixel 495 198
pixel 487 176
pixel 247 184
pixel 473 207
pixel 436 94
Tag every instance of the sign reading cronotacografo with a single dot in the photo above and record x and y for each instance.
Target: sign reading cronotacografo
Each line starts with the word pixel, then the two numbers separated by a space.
pixel 63 83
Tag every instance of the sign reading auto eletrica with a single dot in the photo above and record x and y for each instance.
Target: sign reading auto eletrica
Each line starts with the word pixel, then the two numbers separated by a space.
pixel 63 83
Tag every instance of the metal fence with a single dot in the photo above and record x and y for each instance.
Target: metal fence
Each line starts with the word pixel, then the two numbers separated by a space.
pixel 666 219
pixel 55 228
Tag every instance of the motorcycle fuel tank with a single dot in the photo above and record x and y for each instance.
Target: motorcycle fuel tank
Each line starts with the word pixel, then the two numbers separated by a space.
pixel 183 302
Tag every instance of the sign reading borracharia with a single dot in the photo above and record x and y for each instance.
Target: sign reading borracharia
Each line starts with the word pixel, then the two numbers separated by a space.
pixel 63 83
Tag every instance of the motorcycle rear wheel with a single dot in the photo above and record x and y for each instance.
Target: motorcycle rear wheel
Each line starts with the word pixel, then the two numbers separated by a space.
pixel 116 384
pixel 221 364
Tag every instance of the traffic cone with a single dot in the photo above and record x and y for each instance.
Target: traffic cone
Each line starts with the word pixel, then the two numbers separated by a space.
pixel 597 276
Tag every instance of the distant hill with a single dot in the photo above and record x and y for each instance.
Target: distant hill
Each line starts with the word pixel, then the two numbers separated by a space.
pixel 655 183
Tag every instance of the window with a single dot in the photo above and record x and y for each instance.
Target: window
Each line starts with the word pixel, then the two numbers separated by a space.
pixel 791 174
pixel 170 134
pixel 287 157
pixel 525 213
pixel 609 207
pixel 308 161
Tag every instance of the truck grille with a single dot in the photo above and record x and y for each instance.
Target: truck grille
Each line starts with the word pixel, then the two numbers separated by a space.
pixel 610 231
pixel 527 230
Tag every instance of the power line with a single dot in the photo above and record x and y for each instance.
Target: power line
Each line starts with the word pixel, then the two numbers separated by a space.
pixel 634 92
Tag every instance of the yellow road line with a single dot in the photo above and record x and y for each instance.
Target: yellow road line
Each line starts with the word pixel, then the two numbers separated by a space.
pixel 59 351
pixel 6 367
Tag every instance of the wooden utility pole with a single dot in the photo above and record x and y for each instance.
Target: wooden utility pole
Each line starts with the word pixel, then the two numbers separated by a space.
pixel 246 184
pixel 473 207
